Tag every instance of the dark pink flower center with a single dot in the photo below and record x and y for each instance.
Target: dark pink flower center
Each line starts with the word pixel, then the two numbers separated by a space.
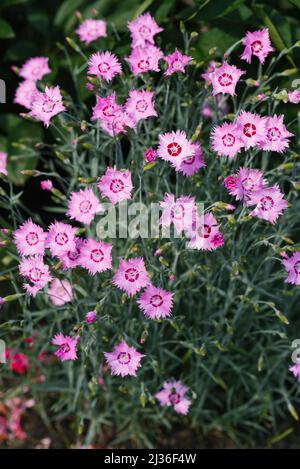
pixel 177 64
pixel 144 64
pixel 32 238
pixel 131 274
pixel 104 67
pixel 189 159
pixel 35 274
pixel 61 238
pixel 144 30
pixel 174 149
pixel 97 255
pixel 65 348
pixel 124 358
pixel 249 130
pixel 48 106
pixel 141 105
pixel 174 397
pixel 297 268
pixel 156 300
pixel 117 185
pixel 218 239
pixel 73 255
pixel 256 47
pixel 228 140
pixel 177 212
pixel 273 134
pixel 85 206
pixel 109 111
pixel 206 231
pixel 225 79
pixel 248 184
pixel 266 203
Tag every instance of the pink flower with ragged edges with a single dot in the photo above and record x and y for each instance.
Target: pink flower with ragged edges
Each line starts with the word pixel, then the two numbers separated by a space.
pixel 90 30
pixel 131 275
pixel 47 105
pixel 191 164
pixel 175 148
pixel 119 125
pixel 180 212
pixel 3 162
pixel 116 185
pixel 46 185
pixel 61 238
pixel 269 202
pixel 67 347
pixel 156 303
pixel 60 292
pixel 107 109
pixel 209 71
pixel 139 105
pixel 251 128
pixel 124 360
pixel 257 43
pixel 292 266
pixel 226 140
pixel 91 317
pixel 144 59
pixel 96 256
pixel 294 96
pixel 30 239
pixel 248 181
pixel 34 269
pixel 35 68
pixel 173 395
pixel 295 369
pixel 150 154
pixel 104 65
pixel 225 78
pixel 71 259
pixel 83 206
pixel 25 93
pixel 176 62
pixel 276 135
pixel 205 233
pixel 231 184
pixel 143 29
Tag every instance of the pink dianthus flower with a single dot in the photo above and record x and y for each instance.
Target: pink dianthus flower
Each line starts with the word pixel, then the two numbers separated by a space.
pixel 131 275
pixel 116 185
pixel 67 347
pixel 83 206
pixel 173 394
pixel 90 30
pixel 124 360
pixel 95 256
pixel 257 43
pixel 104 65
pixel 30 239
pixel 156 303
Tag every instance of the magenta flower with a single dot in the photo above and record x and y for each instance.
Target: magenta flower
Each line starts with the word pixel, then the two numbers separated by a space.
pixel 156 303
pixel 3 163
pixel 226 140
pixel 106 109
pixel 90 30
pixel 116 185
pixel 250 128
pixel 144 59
pixel 35 68
pixel 71 259
pixel 257 43
pixel 83 206
pixel 231 184
pixel 61 238
pixel 67 347
pixel 124 360
pixel 205 233
pixel 91 317
pixel 104 65
pixel 95 256
pixel 292 266
pixel 47 105
pixel 150 154
pixel 191 164
pixel 180 212
pixel 173 394
pixel 295 369
pixel 34 269
pixel 225 78
pixel 139 105
pixel 176 62
pixel 30 239
pixel 175 148
pixel 25 93
pixel 46 185
pixel 276 135
pixel 131 275
pixel 119 124
pixel 143 29
pixel 294 97
pixel 269 202
pixel 60 292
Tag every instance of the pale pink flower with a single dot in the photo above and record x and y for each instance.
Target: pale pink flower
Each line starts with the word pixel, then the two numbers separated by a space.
pixel 209 71
pixel 173 394
pixel 276 135
pixel 47 105
pixel 139 105
pixel 83 206
pixel 180 212
pixel 91 317
pixel 294 96
pixel 25 93
pixel 191 164
pixel 106 109
pixel 175 147
pixel 71 259
pixel 3 163
pixel 248 181
pixel 116 185
pixel 104 65
pixel 269 202
pixel 205 233
pixel 124 360
pixel 225 78
pixel 46 185
pixel 295 369
pixel 250 128
pixel 176 62
pixel 131 275
pixel 90 30
pixel 38 274
pixel 67 347
pixel 226 140
pixel 144 59
pixel 60 292
pixel 292 266
pixel 156 303
pixel 119 124
pixel 257 43
pixel 35 68
pixel 150 154
pixel 61 238
pixel 143 29
pixel 30 239
pixel 96 256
